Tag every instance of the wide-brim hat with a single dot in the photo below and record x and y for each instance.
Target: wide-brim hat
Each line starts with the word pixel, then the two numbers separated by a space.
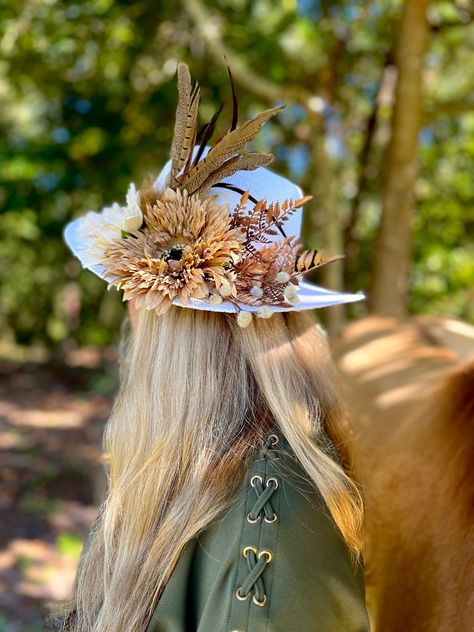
pixel 259 183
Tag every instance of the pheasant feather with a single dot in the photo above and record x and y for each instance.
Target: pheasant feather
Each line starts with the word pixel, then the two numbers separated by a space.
pixel 226 148
pixel 241 162
pixel 186 123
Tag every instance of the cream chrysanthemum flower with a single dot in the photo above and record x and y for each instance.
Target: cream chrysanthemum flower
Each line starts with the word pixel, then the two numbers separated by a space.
pixel 99 230
pixel 183 251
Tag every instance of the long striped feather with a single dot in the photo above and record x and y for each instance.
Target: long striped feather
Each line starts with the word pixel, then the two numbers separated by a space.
pixel 226 148
pixel 241 162
pixel 186 122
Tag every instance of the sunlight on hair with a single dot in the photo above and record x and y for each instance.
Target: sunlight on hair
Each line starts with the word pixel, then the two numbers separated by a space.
pixel 197 395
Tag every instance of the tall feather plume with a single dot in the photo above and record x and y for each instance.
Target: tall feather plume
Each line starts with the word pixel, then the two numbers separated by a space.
pixel 185 130
pixel 226 148
pixel 188 171
pixel 235 104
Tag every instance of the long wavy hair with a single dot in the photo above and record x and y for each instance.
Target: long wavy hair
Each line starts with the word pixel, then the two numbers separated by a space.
pixel 197 395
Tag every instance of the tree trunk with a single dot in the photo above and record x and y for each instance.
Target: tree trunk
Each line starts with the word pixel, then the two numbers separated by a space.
pixel 329 224
pixel 391 260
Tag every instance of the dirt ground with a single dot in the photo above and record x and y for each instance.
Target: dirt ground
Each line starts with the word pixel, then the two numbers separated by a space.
pixel 51 422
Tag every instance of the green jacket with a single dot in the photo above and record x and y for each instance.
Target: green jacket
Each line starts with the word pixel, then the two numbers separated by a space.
pixel 274 562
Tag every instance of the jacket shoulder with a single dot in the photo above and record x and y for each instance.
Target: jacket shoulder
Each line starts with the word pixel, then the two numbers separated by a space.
pixel 274 561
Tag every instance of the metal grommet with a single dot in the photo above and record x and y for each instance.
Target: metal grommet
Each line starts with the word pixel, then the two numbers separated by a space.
pixel 273 438
pixel 272 478
pixel 239 596
pixel 260 603
pixel 249 548
pixel 252 520
pixel 265 552
pixel 256 476
pixel 273 518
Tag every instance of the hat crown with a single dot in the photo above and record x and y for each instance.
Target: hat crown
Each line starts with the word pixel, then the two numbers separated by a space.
pixel 260 183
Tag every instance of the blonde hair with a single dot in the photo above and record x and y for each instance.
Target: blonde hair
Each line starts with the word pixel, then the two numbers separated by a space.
pixel 197 395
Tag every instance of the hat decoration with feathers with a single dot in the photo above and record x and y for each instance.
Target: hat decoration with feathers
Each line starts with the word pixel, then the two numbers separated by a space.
pixel 203 235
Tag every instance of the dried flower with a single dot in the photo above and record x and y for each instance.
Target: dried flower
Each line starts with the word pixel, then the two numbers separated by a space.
pixel 244 318
pixel 257 268
pixel 185 249
pixel 282 277
pixel 215 299
pixel 135 216
pixel 256 291
pixel 291 293
pixel 265 312
pixel 225 289
pixel 99 230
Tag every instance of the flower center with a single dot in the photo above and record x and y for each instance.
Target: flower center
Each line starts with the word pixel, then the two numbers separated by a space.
pixel 175 252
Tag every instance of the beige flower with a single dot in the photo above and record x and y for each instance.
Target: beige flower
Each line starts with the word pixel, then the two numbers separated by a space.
pixel 244 319
pixel 98 230
pixel 185 249
pixel 291 293
pixel 264 312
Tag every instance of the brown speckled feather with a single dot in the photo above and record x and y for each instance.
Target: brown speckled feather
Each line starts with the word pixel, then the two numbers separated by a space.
pixel 226 148
pixel 186 123
pixel 241 162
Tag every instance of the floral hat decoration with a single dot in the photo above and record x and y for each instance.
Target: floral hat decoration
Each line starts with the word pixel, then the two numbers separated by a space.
pixel 215 231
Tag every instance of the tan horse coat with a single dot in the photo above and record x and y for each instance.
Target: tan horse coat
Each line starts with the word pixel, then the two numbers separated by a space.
pixel 410 390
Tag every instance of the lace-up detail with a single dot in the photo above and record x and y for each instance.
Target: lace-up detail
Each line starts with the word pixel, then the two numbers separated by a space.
pixel 257 563
pixel 263 499
pixel 264 487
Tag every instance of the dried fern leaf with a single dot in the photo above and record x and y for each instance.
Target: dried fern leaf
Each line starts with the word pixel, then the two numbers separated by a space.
pixel 244 199
pixel 302 201
pixel 262 220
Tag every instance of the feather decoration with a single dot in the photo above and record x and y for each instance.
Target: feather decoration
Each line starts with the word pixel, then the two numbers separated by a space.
pixel 188 170
pixel 235 105
pixel 186 123
pixel 311 259
pixel 226 148
pixel 231 187
pixel 241 162
pixel 205 134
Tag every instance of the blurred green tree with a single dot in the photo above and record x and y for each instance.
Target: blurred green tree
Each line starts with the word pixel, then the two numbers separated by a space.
pixel 87 97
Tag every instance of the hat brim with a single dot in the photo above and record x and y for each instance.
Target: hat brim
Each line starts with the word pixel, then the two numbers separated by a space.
pixel 310 296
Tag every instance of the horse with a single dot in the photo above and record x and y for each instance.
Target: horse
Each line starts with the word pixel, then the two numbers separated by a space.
pixel 409 387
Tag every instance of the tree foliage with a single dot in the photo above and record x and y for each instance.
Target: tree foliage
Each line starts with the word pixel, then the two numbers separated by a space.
pixel 87 93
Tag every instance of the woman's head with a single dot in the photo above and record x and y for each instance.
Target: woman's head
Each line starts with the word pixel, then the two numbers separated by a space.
pixel 197 394
pixel 198 391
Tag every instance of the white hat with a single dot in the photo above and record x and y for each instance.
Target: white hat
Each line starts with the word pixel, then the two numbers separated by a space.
pixel 160 246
